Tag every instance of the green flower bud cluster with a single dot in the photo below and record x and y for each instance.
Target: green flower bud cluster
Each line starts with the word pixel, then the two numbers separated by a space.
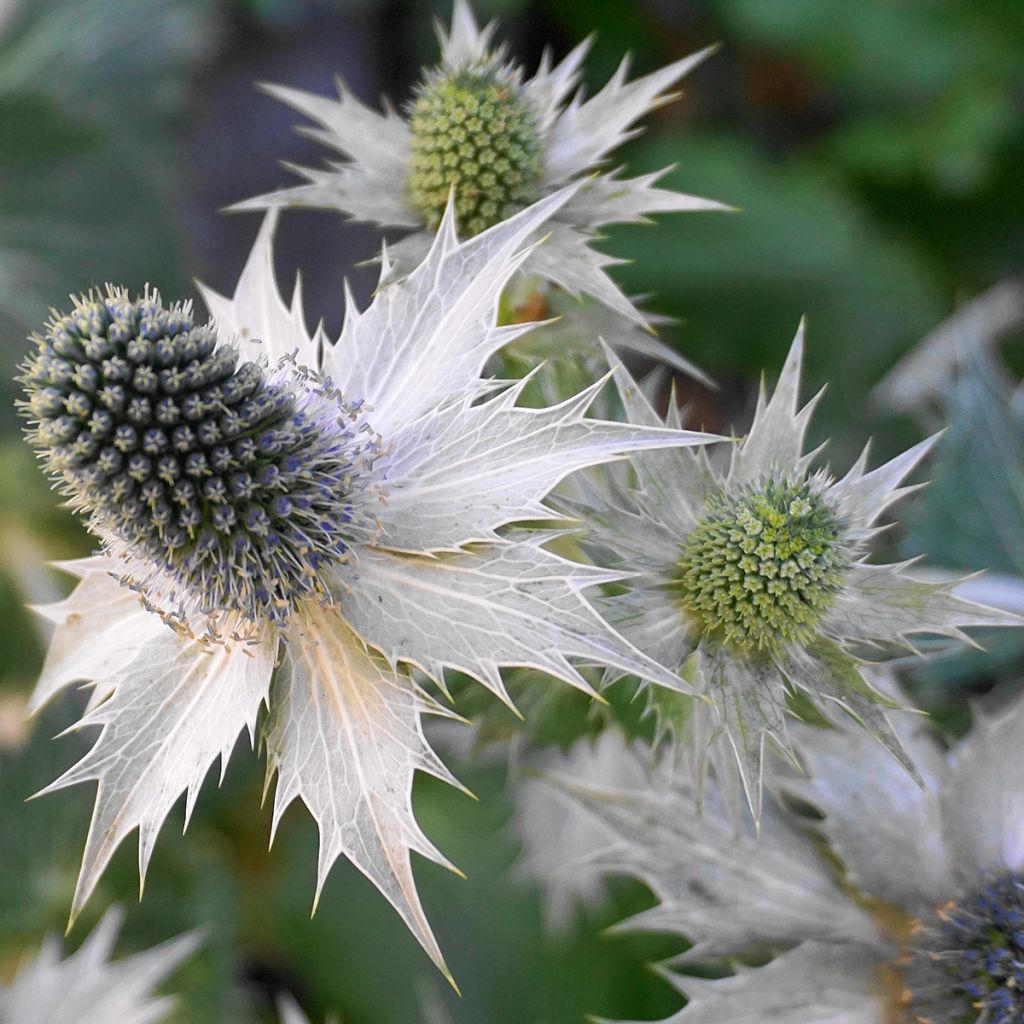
pixel 763 566
pixel 474 131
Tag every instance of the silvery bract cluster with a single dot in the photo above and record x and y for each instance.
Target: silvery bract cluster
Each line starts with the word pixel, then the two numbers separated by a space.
pixel 498 140
pixel 298 538
pixel 903 903
pixel 291 523
pixel 88 988
pixel 751 579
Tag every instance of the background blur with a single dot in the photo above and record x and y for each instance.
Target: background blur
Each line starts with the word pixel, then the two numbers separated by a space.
pixel 875 152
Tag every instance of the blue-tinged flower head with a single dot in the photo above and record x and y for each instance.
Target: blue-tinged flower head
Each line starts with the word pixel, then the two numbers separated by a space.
pixel 240 482
pixel 900 902
pixel 967 964
pixel 230 483
pixel 763 564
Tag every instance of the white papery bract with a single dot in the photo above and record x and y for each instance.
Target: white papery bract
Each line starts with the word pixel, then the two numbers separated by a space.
pixel 557 837
pixel 88 988
pixel 432 572
pixel 483 124
pixel 912 913
pixel 752 580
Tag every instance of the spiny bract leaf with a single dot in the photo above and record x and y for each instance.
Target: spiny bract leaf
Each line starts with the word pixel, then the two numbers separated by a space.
pixel 345 737
pixel 87 988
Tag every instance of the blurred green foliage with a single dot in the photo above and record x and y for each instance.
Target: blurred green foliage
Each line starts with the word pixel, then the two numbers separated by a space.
pixel 874 153
pixel 972 517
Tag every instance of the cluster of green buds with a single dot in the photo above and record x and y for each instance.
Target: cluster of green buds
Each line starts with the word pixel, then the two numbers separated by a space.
pixel 763 565
pixel 473 131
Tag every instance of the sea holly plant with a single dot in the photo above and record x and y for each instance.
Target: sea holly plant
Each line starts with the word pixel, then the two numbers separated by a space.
pixel 293 523
pixel 88 987
pixel 499 140
pixel 906 906
pixel 752 579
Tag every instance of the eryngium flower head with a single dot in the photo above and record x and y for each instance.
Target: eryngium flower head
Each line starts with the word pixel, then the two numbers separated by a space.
pixel 499 139
pixel 762 565
pixel 231 483
pixel 907 907
pixel 311 519
pixel 87 988
pixel 752 579
pixel 472 136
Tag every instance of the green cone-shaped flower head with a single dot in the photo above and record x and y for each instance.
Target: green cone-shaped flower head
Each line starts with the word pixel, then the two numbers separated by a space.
pixel 763 565
pixel 474 131
pixel 502 139
pixel 232 481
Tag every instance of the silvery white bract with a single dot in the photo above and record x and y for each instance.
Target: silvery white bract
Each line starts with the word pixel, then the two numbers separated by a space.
pixel 570 337
pixel 499 140
pixel 557 837
pixel 318 523
pixel 87 988
pixel 923 925
pixel 753 579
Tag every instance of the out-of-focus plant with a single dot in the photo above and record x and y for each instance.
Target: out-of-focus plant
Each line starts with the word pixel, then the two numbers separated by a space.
pixel 90 104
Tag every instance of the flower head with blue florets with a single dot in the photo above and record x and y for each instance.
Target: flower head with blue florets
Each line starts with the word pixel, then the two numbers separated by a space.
pixel 899 901
pixel 293 523
pixel 226 486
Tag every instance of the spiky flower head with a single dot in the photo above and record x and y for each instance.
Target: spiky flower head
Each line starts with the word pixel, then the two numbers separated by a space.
pixel 762 566
pixel 907 906
pixel 472 134
pixel 232 482
pixel 500 139
pixel 88 988
pixel 310 519
pixel 752 579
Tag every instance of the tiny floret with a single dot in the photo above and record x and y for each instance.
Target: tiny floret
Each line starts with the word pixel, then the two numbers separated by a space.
pixel 762 566
pixel 967 960
pixel 474 133
pixel 232 483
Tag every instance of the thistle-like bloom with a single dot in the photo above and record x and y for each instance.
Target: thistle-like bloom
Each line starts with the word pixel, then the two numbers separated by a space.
pixel 294 523
pixel 753 579
pixel 87 988
pixel 499 141
pixel 912 913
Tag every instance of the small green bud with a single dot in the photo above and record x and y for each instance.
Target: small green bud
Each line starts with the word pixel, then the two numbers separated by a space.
pixel 763 566
pixel 474 131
